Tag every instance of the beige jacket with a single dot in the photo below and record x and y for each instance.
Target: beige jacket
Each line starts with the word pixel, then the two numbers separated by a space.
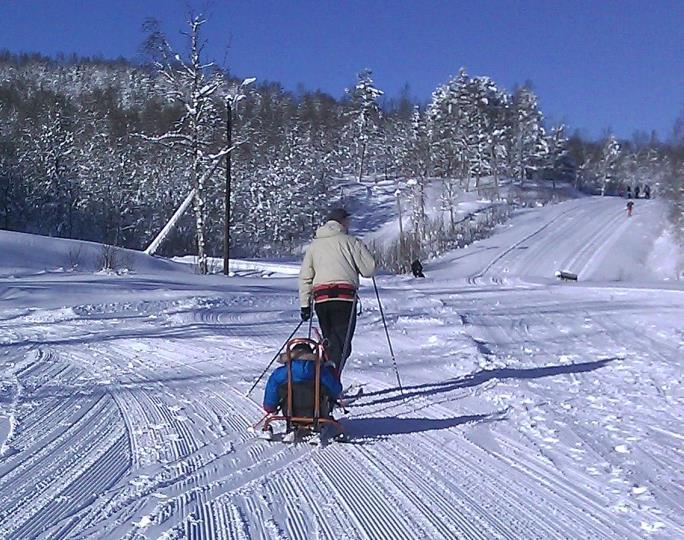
pixel 333 257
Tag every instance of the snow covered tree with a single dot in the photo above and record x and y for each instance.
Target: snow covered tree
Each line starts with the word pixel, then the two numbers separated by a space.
pixel 446 127
pixel 672 190
pixel 189 84
pixel 468 128
pixel 529 146
pixel 49 159
pixel 9 172
pixel 293 151
pixel 485 108
pixel 366 112
pixel 557 144
pixel 416 163
pixel 609 164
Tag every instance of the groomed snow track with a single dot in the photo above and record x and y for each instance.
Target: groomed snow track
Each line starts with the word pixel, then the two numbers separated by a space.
pixel 531 409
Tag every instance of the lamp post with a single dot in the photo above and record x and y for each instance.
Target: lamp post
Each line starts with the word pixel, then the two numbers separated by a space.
pixel 226 224
pixel 231 100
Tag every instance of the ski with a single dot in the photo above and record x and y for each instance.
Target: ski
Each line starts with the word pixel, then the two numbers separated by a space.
pixel 322 438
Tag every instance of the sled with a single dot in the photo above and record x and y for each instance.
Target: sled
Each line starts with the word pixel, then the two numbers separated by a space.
pixel 566 276
pixel 296 405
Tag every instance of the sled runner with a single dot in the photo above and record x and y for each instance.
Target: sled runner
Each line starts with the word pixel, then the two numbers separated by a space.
pixel 305 406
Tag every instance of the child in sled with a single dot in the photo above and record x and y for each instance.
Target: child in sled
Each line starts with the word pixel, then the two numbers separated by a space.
pixel 303 366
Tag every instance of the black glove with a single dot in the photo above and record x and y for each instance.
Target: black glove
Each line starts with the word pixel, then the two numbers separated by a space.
pixel 306 313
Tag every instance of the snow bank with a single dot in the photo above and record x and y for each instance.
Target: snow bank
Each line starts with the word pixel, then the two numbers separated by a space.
pixel 245 267
pixel 666 259
pixel 22 253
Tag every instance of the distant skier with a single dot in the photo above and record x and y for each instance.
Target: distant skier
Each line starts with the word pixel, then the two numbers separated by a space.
pixel 629 192
pixel 636 192
pixel 330 274
pixel 417 269
pixel 647 191
pixel 303 370
pixel 630 205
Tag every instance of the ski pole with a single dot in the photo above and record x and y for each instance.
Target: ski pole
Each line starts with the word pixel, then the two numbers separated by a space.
pixel 389 342
pixel 274 359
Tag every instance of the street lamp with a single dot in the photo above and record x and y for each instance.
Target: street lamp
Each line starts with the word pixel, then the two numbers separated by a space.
pixel 231 101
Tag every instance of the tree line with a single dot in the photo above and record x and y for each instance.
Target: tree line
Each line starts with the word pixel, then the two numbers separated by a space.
pixel 107 150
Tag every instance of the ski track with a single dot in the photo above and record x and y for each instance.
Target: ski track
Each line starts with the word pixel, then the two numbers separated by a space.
pixel 129 419
pixel 67 451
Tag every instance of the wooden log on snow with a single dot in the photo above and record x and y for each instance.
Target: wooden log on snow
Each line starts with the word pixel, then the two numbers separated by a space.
pixel 566 276
pixel 154 246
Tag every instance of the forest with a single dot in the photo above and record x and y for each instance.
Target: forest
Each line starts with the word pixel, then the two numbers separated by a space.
pixel 107 150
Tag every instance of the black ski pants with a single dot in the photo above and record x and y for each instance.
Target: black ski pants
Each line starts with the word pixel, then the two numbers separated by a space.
pixel 336 317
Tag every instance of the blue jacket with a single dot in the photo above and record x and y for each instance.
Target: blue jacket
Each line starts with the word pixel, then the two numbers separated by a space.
pixel 302 370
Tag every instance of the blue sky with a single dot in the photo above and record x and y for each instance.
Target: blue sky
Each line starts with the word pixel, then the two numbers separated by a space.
pixel 595 65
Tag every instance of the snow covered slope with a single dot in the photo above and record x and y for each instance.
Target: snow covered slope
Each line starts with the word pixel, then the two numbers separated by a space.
pixel 22 253
pixel 530 408
pixel 592 238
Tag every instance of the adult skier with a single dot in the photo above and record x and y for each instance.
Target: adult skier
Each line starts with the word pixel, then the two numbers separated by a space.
pixel 330 277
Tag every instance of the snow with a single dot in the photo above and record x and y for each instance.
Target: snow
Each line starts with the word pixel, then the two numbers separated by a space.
pixel 25 254
pixel 531 408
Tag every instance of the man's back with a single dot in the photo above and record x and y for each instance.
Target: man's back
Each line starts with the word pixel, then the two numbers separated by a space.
pixel 333 257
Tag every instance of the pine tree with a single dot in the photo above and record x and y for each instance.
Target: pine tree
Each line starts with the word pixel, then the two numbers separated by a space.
pixel 557 144
pixel 609 164
pixel 364 97
pixel 528 137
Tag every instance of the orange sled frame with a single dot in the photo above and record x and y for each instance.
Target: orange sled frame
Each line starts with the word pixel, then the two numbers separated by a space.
pixel 314 422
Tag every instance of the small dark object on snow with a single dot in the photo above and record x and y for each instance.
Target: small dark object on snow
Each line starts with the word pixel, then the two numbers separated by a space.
pixel 566 276
pixel 417 269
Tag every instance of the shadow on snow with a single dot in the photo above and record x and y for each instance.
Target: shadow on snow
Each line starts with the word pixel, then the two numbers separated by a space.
pixel 390 395
pixel 382 427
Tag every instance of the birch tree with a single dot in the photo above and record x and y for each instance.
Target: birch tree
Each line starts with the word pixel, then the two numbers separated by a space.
pixel 191 84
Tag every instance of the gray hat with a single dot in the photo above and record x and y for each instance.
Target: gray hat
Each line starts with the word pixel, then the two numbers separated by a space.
pixel 338 214
pixel 301 351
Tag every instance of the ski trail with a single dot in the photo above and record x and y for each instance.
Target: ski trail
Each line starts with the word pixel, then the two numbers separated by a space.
pixel 80 445
pixel 531 409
